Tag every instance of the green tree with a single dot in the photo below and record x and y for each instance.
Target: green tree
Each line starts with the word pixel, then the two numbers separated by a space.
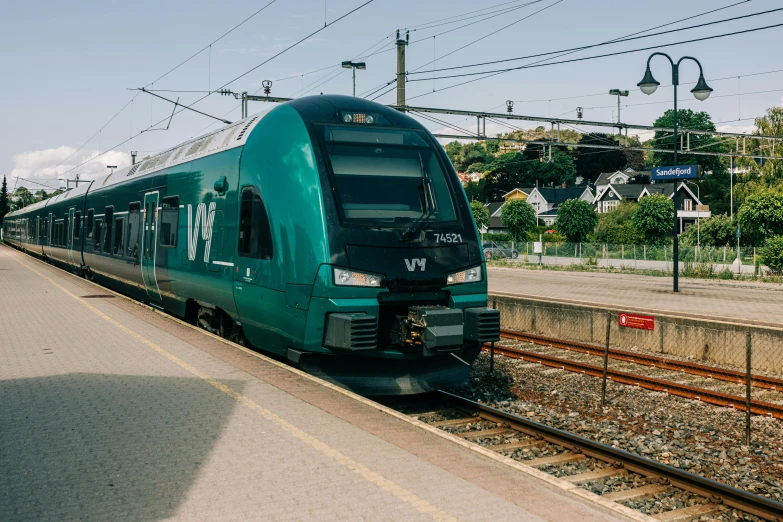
pixel 22 198
pixel 715 187
pixel 772 254
pixel 576 219
pixel 716 231
pixel 473 191
pixel 480 214
pixel 560 169
pixel 4 204
pixel 518 217
pixel 616 226
pixel 761 217
pixel 654 217
pixel 589 164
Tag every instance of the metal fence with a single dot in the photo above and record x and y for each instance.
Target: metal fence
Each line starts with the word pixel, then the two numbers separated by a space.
pixel 689 358
pixel 628 256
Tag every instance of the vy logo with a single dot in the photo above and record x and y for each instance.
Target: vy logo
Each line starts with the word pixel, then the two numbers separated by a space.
pixel 203 220
pixel 412 263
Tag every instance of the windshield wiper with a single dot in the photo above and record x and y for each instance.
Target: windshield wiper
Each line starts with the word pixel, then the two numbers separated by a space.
pixel 425 188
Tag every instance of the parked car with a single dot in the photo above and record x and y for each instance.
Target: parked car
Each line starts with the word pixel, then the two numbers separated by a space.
pixel 492 249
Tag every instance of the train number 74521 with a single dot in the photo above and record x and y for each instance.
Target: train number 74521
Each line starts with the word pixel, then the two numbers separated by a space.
pixel 448 238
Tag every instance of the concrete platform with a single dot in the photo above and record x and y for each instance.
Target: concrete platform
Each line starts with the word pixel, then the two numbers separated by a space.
pixel 113 411
pixel 733 301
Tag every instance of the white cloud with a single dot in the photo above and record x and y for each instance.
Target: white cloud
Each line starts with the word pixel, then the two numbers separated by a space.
pixel 46 165
pixel 742 129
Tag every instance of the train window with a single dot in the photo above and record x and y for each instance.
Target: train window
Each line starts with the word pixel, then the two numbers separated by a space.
pixel 134 220
pixel 169 219
pixel 389 176
pixel 255 236
pixel 90 218
pixel 97 235
pixel 108 221
pixel 77 224
pixel 119 236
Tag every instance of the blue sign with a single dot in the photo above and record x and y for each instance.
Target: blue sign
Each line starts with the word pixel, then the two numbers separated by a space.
pixel 675 172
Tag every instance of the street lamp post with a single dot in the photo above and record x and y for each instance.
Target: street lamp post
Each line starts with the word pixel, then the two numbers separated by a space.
pixel 354 65
pixel 701 92
pixel 618 93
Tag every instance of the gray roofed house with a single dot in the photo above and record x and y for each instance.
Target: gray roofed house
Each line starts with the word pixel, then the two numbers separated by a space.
pixel 547 199
pixel 689 208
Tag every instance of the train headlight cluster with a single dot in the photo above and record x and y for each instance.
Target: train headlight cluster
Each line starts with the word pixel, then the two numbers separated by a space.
pixel 343 277
pixel 471 275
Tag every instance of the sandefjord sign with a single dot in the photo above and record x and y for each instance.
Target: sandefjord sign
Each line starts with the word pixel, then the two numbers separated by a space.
pixel 675 172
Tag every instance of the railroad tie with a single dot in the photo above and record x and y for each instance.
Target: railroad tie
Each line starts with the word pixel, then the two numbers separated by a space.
pixel 556 459
pixel 591 476
pixel 483 433
pixel 511 446
pixel 455 422
pixel 628 494
pixel 688 513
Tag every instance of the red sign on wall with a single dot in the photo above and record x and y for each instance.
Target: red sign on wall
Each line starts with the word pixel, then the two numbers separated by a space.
pixel 642 322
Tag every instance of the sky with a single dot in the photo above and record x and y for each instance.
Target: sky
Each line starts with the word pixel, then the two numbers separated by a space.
pixel 67 103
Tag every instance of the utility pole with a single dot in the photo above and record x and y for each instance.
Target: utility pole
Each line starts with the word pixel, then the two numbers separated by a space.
pixel 401 68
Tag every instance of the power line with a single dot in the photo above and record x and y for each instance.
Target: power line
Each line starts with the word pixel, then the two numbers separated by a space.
pixel 610 42
pixel 158 79
pixel 606 55
pixel 442 20
pixel 486 35
pixel 224 85
pixel 625 36
pixel 210 44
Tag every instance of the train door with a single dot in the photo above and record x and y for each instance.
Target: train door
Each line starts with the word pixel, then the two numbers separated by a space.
pixel 149 244
pixel 49 225
pixel 69 235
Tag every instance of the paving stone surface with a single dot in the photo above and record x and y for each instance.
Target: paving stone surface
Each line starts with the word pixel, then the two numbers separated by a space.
pixel 751 302
pixel 111 411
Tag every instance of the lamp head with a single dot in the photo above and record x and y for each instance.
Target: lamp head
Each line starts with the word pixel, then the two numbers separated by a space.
pixel 702 91
pixel 648 85
pixel 360 65
pixel 347 65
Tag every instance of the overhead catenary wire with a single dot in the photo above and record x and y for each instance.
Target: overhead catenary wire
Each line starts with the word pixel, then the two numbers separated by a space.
pixel 606 55
pixel 610 42
pixel 625 36
pixel 228 83
pixel 208 46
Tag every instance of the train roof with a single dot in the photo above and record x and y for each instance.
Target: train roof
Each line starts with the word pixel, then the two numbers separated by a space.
pixel 319 108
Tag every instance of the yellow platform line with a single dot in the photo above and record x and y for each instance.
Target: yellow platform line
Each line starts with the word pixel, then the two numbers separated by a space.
pixel 374 478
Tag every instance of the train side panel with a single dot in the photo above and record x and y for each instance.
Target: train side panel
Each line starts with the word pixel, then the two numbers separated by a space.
pixel 273 288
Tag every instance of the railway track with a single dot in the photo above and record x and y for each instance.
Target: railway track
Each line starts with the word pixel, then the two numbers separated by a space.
pixel 733 376
pixel 587 463
pixel 651 383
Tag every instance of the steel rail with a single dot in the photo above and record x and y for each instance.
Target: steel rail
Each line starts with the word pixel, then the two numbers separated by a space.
pixel 649 383
pixel 656 361
pixel 746 501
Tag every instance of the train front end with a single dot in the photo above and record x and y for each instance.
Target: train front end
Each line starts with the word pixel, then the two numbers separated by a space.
pixel 401 307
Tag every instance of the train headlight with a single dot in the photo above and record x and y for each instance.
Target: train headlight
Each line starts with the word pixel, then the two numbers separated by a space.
pixel 471 275
pixel 343 277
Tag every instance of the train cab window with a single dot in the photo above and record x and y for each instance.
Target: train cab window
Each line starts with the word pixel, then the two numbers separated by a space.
pixel 119 236
pixel 255 236
pixel 169 219
pixel 134 221
pixel 108 221
pixel 97 235
pixel 77 224
pixel 90 220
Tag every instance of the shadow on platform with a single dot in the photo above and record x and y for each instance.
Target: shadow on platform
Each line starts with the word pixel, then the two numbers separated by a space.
pixel 104 447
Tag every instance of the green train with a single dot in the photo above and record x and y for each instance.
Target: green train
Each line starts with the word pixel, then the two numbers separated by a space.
pixel 330 231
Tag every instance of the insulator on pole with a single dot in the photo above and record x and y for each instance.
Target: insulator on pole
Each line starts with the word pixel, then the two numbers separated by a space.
pixel 267 85
pixel 509 106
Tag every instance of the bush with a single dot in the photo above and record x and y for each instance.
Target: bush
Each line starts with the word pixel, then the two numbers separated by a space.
pixel 654 217
pixel 480 214
pixel 726 273
pixel 518 217
pixel 772 254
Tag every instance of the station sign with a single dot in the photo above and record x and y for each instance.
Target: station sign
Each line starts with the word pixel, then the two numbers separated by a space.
pixel 640 322
pixel 674 172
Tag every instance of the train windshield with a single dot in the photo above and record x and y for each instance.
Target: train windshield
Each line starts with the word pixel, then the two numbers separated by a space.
pixel 389 176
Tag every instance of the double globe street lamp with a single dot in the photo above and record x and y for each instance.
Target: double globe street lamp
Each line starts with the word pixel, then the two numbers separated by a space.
pixel 701 92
